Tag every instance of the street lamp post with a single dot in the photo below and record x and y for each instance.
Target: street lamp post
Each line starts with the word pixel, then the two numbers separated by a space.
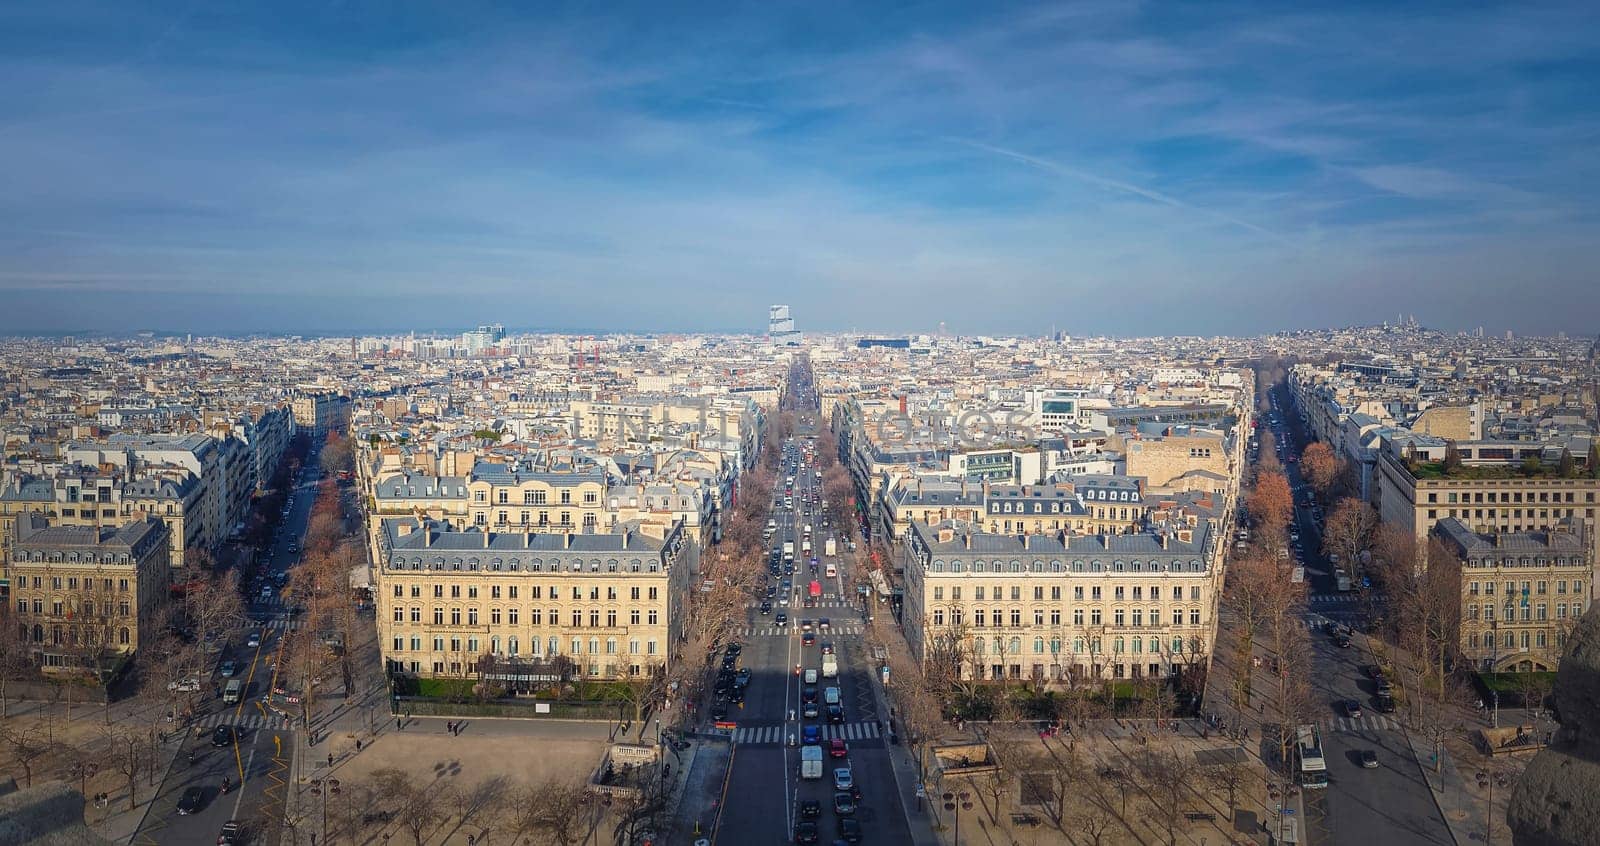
pixel 956 802
pixel 1490 779
pixel 322 787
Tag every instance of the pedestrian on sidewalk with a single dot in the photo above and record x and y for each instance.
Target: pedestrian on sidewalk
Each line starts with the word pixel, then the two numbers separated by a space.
pixel 358 744
pixel 450 727
pixel 397 725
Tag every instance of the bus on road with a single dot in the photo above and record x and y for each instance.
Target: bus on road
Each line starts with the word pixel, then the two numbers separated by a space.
pixel 1312 767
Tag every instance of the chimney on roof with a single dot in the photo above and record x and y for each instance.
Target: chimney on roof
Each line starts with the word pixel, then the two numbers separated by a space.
pixel 902 403
pixel 968 538
pixel 1025 490
pixel 1025 542
pixel 567 541
pixel 1164 538
pixel 485 538
pixel 427 534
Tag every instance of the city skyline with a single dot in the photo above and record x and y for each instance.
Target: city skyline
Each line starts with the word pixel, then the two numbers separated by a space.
pixel 310 169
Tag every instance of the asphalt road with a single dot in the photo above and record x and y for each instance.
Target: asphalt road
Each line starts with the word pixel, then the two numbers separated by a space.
pixel 764 790
pixel 1360 807
pixel 257 766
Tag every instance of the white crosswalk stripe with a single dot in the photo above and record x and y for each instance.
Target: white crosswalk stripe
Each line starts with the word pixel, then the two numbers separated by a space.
pixel 774 734
pixel 1365 722
pixel 282 623
pixel 248 719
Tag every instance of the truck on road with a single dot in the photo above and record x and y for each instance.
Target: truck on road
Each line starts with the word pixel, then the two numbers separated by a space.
pixel 810 762
pixel 830 666
pixel 830 547
pixel 788 551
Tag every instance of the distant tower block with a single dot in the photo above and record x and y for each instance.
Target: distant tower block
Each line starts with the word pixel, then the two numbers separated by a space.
pixel 780 326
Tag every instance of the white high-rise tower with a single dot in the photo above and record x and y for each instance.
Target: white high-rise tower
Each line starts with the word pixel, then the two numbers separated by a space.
pixel 780 326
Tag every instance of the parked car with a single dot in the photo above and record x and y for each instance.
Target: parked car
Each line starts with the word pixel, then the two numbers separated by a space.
pixel 187 685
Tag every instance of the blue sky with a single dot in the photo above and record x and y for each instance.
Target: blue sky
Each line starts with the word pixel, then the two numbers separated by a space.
pixel 1116 167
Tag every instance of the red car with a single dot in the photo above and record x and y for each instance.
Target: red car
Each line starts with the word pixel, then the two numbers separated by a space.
pixel 837 749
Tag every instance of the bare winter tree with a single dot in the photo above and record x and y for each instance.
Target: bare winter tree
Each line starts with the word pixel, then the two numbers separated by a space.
pixel 1350 531
pixel 1321 468
pixel 1271 504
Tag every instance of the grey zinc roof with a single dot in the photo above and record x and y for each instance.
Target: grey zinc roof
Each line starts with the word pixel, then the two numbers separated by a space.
pixel 502 474
pixel 473 541
pixel 29 490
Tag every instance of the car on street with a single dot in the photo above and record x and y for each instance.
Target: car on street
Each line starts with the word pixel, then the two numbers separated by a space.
pixel 810 710
pixel 232 834
pixel 228 669
pixel 1342 640
pixel 1384 703
pixel 823 624
pixel 719 711
pixel 837 748
pixel 254 640
pixel 835 714
pixel 766 607
pixel 843 779
pixel 808 639
pixel 844 804
pixel 849 830
pixel 827 647
pixel 1369 759
pixel 806 832
pixel 222 736
pixel 192 800
pixel 808 694
pixel 811 736
pixel 1352 709
pixel 810 809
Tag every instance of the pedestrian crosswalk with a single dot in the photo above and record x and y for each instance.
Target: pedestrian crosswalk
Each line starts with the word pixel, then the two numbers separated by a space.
pixel 281 623
pixel 1335 597
pixel 773 735
pixel 250 718
pixel 1366 722
pixel 835 630
pixel 826 601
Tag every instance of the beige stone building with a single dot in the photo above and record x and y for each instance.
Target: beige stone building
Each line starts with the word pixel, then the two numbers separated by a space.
pixel 1056 607
pixel 1521 593
pixel 82 593
pixel 1487 499
pixel 1163 460
pixel 608 602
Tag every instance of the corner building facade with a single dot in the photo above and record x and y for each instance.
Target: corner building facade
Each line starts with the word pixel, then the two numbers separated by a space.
pixel 608 602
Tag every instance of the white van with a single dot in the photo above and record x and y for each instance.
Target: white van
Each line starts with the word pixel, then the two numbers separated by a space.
pixel 233 691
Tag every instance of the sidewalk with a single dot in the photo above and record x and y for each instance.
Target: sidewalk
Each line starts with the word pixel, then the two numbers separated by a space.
pixel 920 812
pixel 1230 677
